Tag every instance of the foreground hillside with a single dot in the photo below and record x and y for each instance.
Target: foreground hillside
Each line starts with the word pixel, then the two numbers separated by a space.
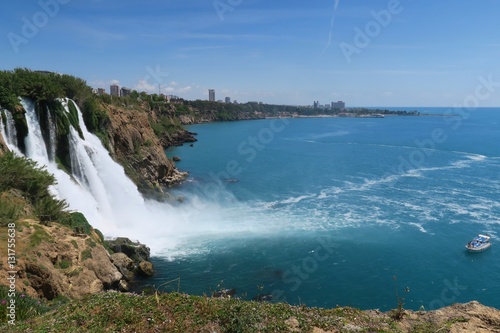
pixel 116 312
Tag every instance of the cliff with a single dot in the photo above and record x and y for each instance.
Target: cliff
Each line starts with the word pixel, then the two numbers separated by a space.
pixel 134 145
pixel 53 260
pixel 3 146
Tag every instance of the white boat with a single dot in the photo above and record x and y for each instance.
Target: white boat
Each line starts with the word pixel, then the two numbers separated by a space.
pixel 479 243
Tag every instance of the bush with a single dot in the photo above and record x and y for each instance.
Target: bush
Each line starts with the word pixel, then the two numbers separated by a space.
pixel 77 222
pixel 24 175
pixel 86 254
pixel 10 209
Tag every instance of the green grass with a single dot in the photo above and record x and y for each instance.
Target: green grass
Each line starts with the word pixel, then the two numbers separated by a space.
pixel 25 306
pixel 90 242
pixel 64 264
pixel 86 254
pixel 174 312
pixel 39 236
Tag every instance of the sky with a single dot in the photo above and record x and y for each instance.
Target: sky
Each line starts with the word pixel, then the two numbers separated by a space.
pixel 363 52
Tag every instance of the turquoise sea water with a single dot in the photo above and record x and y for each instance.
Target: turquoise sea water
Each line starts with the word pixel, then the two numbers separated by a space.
pixel 326 211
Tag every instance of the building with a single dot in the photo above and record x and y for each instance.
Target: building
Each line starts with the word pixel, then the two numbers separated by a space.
pixel 228 99
pixel 125 91
pixel 101 91
pixel 211 95
pixel 338 105
pixel 114 90
pixel 316 104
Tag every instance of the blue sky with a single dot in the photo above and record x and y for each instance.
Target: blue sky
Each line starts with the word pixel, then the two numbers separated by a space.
pixel 364 52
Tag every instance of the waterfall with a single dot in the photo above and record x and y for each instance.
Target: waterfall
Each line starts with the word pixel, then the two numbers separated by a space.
pixel 35 144
pixel 66 188
pixel 98 186
pixel 111 202
pixel 9 132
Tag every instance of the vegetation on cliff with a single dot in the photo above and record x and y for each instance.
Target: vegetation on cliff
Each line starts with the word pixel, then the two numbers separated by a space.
pixel 174 312
pixel 28 185
pixel 123 124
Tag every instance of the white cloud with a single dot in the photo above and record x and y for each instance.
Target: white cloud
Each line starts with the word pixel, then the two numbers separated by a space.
pixel 185 89
pixel 144 85
pixel 173 83
pixel 180 90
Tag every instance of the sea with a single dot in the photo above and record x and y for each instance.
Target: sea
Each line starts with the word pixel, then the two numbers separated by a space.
pixel 326 212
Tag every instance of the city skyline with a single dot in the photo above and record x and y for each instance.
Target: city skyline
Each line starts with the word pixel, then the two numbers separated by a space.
pixel 370 53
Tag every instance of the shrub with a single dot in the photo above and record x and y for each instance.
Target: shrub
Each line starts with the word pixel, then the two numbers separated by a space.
pixel 77 222
pixel 86 254
pixel 64 264
pixel 39 236
pixel 24 175
pixel 10 209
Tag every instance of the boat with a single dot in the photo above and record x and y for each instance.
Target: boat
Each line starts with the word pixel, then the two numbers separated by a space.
pixel 479 243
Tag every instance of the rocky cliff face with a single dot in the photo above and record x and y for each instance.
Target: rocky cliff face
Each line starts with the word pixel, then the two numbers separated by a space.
pixel 138 149
pixel 53 260
pixel 3 146
pixel 56 261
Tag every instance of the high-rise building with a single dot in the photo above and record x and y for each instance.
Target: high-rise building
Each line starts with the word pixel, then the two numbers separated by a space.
pixel 228 99
pixel 211 95
pixel 114 90
pixel 125 92
pixel 316 104
pixel 338 105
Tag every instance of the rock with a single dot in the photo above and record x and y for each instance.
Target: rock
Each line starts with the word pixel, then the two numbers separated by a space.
pixel 263 298
pixel 145 268
pixel 224 293
pixel 123 285
pixel 124 264
pixel 133 143
pixel 96 286
pixel 352 328
pixel 42 280
pixel 103 268
pixel 176 159
pixel 3 146
pixel 136 251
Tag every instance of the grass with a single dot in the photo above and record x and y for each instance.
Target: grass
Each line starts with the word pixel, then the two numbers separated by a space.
pixel 86 254
pixel 25 306
pixel 175 312
pixel 63 264
pixel 39 236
